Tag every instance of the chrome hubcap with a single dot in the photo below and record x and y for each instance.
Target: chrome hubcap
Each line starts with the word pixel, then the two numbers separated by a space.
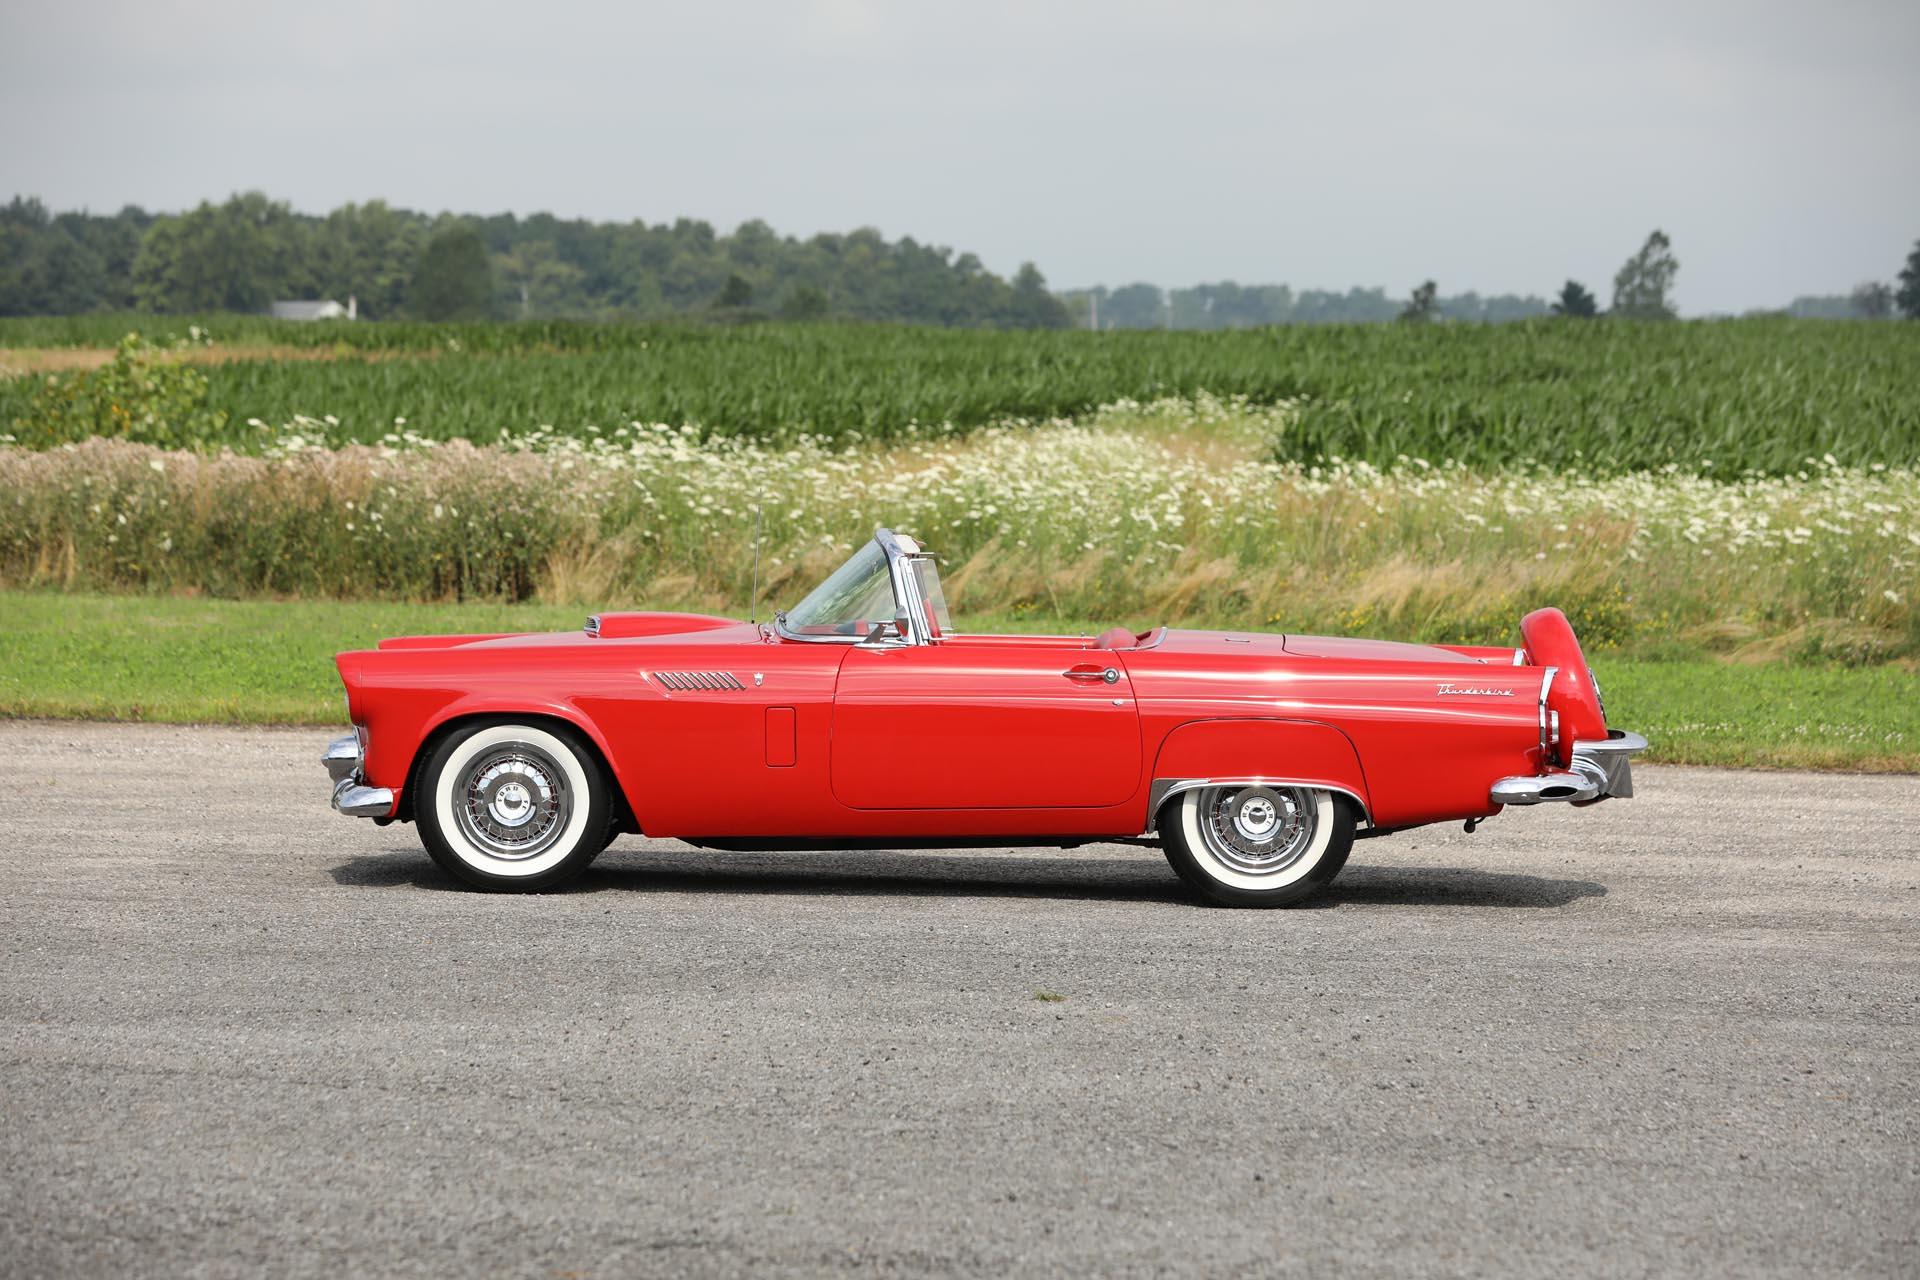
pixel 1258 830
pixel 513 801
pixel 512 805
pixel 1256 818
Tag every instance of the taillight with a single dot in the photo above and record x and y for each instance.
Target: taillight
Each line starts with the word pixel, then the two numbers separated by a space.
pixel 1571 695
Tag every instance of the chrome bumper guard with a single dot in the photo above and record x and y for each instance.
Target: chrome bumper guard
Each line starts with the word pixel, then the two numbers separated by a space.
pixel 351 795
pixel 1599 769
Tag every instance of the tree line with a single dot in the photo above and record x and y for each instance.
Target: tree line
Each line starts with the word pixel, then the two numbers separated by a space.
pixel 249 251
pixel 1642 290
pixel 1870 299
pixel 1227 305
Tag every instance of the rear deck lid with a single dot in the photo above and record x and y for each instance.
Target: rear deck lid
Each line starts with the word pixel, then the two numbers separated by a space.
pixel 1369 650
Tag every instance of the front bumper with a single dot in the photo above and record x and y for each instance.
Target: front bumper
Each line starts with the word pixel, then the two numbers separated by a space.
pixel 351 796
pixel 1598 770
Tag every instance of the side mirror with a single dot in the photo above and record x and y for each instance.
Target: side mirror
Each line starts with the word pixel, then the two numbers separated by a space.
pixel 885 631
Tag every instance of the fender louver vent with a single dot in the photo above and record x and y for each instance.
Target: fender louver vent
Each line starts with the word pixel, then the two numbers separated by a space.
pixel 691 680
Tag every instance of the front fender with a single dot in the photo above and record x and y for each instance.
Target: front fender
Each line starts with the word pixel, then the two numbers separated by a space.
pixel 1304 752
pixel 394 749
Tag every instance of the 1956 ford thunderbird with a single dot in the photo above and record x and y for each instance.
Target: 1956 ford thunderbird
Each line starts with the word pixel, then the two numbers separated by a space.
pixel 861 717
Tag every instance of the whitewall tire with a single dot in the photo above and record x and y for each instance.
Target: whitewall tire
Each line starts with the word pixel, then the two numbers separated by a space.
pixel 515 806
pixel 1254 845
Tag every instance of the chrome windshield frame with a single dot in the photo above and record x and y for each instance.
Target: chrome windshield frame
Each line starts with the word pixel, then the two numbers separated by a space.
pixel 907 602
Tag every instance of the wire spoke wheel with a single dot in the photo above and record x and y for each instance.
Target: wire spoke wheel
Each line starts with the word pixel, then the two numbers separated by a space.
pixel 514 801
pixel 509 805
pixel 1258 830
pixel 1257 844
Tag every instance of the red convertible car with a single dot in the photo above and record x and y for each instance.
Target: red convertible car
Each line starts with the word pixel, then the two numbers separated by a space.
pixel 861 717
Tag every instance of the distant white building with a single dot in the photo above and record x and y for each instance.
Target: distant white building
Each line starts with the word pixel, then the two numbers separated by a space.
pixel 321 309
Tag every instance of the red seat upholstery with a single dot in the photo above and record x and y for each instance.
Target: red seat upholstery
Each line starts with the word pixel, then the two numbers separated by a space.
pixel 1115 638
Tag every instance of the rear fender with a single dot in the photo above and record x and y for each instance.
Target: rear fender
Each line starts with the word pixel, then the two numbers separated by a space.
pixel 1301 752
pixel 1572 693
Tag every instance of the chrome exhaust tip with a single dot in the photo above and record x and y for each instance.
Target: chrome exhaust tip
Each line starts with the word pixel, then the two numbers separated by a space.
pixel 1545 789
pixel 1600 769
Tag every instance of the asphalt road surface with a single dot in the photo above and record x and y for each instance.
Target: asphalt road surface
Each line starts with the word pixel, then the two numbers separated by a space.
pixel 240 1035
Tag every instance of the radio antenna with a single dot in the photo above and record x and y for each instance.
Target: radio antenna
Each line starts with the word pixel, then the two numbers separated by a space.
pixel 753 601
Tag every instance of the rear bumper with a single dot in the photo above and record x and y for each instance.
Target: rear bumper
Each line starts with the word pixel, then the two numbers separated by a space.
pixel 351 796
pixel 1599 769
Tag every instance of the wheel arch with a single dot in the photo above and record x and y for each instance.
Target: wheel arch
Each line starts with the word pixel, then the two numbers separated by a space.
pixel 574 724
pixel 1306 753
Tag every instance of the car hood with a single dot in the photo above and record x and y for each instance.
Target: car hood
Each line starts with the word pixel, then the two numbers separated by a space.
pixel 664 627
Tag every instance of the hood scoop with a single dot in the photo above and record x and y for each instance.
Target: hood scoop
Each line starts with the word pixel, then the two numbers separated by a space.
pixel 627 626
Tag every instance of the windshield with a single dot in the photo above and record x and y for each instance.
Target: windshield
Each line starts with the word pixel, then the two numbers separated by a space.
pixel 859 594
pixel 928 577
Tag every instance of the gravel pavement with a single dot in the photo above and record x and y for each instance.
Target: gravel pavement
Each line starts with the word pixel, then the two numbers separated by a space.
pixel 240 1035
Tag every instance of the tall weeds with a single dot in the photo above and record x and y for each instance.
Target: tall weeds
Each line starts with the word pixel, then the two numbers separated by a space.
pixel 1145 512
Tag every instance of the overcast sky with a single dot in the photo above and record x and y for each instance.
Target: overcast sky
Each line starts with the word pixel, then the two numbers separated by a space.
pixel 1490 146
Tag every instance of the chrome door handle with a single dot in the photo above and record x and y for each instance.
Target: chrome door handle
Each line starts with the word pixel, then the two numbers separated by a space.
pixel 1091 674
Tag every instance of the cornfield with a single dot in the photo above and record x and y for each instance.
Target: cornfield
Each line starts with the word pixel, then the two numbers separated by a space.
pixel 1597 398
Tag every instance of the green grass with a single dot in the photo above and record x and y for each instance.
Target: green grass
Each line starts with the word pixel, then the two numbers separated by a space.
pixel 259 662
pixel 99 657
pixel 1606 395
pixel 1813 717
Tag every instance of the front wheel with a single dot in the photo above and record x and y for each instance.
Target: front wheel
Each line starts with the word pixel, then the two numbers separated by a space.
pixel 513 806
pixel 1250 845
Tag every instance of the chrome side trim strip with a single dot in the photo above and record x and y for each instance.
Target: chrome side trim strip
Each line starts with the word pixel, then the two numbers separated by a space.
pixel 1164 788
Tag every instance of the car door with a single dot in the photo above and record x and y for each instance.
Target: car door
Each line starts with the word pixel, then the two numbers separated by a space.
pixel 720 739
pixel 952 726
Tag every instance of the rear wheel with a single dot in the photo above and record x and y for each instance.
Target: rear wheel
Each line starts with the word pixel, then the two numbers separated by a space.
pixel 1257 846
pixel 513 806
